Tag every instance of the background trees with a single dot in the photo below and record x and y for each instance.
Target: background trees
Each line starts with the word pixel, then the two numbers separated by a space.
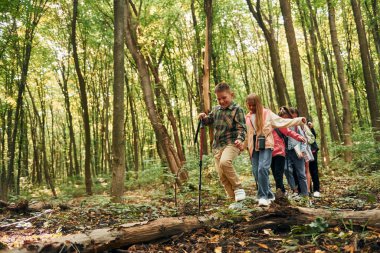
pixel 53 61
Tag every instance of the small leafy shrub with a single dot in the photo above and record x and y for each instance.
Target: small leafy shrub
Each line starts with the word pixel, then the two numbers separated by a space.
pixel 313 229
pixel 152 174
pixel 365 151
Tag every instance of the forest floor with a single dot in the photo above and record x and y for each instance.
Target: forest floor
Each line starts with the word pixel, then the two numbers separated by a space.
pixel 342 189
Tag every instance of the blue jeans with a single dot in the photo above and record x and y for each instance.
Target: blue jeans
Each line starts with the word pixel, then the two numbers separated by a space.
pixel 294 163
pixel 289 174
pixel 261 161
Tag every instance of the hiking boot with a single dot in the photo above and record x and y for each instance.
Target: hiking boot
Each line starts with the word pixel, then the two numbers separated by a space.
pixel 239 195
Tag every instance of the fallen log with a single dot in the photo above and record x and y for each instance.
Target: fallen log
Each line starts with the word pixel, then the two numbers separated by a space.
pixel 19 207
pixel 282 218
pixel 23 206
pixel 276 217
pixel 368 217
pixel 99 240
pixel 26 220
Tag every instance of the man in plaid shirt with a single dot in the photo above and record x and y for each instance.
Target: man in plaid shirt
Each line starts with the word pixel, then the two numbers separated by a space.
pixel 229 134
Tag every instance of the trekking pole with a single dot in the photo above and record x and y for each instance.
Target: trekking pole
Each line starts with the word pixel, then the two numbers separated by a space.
pixel 201 129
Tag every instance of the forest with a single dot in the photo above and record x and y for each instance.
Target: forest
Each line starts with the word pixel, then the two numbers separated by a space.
pixel 99 105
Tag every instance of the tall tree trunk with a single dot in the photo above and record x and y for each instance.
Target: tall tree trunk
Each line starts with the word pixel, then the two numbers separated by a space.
pixel 368 75
pixel 197 61
pixel 36 164
pixel 33 20
pixel 242 60
pixel 53 160
pixel 374 27
pixel 84 103
pixel 335 121
pixel 294 58
pixel 269 80
pixel 162 135
pixel 190 97
pixel 3 171
pixel 154 67
pixel 20 146
pixel 172 70
pixel 106 142
pixel 374 19
pixel 320 82
pixel 347 125
pixel 269 35
pixel 135 128
pixel 372 12
pixel 4 179
pixel 207 65
pixel 118 136
pixel 41 123
pixel 63 85
pixel 68 163
pixel 198 71
pixel 351 77
pixel 316 91
pixel 207 57
pixel 173 123
pixel 94 98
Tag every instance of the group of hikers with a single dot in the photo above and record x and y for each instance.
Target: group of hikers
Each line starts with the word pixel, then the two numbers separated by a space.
pixel 284 142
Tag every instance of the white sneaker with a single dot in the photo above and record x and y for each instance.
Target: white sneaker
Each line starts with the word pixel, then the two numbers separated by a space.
pixel 239 195
pixel 317 194
pixel 272 198
pixel 264 202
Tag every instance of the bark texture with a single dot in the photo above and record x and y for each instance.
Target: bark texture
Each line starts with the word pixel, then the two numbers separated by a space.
pixel 269 35
pixel 347 124
pixel 100 240
pixel 294 58
pixel 277 218
pixel 118 136
pixel 162 135
pixel 368 75
pixel 84 103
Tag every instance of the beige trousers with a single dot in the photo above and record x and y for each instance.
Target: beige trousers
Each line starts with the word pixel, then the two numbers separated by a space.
pixel 227 174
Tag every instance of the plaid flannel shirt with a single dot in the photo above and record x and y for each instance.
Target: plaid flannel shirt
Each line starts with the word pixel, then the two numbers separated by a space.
pixel 229 125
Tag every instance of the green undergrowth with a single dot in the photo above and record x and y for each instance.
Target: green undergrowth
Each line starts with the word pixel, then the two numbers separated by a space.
pixel 365 152
pixel 151 194
pixel 156 182
pixel 343 237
